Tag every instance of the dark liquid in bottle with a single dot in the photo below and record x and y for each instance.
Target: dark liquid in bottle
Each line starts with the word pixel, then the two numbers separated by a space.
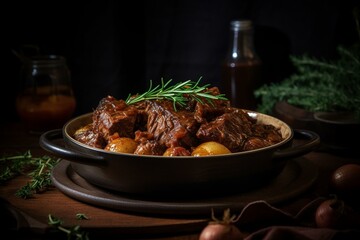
pixel 239 81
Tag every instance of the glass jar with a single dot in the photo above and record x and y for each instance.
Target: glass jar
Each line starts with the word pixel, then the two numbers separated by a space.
pixel 241 69
pixel 46 99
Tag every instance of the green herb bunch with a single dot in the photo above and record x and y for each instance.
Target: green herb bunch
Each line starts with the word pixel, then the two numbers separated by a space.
pixel 37 168
pixel 319 85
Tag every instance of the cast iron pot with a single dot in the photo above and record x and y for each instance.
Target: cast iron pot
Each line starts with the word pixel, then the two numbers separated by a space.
pixel 158 175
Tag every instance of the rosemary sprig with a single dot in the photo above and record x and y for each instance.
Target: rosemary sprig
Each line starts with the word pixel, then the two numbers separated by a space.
pixel 40 167
pixel 179 93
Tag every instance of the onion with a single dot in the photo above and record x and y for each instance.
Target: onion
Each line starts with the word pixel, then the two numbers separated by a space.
pixel 328 213
pixel 334 213
pixel 221 229
pixel 345 182
pixel 346 178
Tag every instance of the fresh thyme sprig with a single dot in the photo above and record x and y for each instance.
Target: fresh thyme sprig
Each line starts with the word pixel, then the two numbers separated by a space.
pixel 81 216
pixel 74 232
pixel 41 167
pixel 179 93
pixel 12 166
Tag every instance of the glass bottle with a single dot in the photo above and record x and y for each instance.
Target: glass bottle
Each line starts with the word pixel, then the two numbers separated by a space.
pixel 46 100
pixel 241 69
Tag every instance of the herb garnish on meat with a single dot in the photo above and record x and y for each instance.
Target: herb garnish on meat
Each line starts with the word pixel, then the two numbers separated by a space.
pixel 179 93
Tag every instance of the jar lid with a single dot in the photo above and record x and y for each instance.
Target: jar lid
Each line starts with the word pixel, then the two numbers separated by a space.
pixel 47 60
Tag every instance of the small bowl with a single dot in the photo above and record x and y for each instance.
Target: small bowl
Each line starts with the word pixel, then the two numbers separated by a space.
pixel 336 129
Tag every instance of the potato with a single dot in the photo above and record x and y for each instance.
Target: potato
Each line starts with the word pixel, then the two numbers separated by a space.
pixel 122 145
pixel 210 148
pixel 81 131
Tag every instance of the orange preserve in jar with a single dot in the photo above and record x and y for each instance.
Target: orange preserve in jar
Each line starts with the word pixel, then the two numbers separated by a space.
pixel 46 100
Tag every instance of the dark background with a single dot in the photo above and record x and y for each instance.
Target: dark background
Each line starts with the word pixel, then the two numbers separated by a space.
pixel 116 47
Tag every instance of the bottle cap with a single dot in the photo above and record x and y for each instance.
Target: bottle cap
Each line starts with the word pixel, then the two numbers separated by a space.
pixel 241 24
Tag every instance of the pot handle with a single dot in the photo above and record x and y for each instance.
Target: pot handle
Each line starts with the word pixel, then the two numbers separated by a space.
pixel 311 141
pixel 48 141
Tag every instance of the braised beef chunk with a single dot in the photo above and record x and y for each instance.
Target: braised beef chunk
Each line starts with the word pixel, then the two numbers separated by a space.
pixel 263 136
pixel 267 132
pixel 254 143
pixel 150 147
pixel 169 127
pixel 206 112
pixel 230 129
pixel 114 116
pixel 142 136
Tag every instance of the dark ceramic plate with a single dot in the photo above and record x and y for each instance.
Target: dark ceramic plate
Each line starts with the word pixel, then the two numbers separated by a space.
pixel 297 176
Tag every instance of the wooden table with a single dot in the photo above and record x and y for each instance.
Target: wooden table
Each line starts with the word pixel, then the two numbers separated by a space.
pixel 32 214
